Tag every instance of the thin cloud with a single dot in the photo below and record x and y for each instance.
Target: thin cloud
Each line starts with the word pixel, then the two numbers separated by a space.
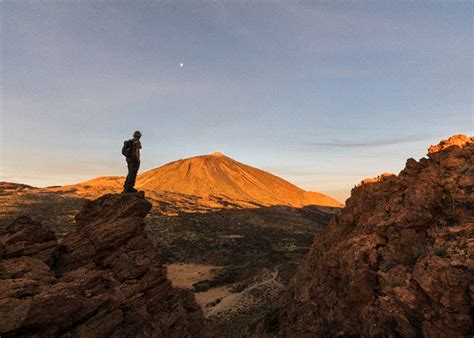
pixel 304 171
pixel 368 143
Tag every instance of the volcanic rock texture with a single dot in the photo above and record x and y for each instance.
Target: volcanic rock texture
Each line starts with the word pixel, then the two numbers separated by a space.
pixel 398 261
pixel 104 279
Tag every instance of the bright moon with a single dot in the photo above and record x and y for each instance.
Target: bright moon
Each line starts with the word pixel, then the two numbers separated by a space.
pixel 181 64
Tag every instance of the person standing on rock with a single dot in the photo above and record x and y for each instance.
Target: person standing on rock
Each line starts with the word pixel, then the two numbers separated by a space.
pixel 131 151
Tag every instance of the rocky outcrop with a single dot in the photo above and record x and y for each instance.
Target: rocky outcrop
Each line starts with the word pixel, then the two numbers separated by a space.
pixel 104 279
pixel 398 260
pixel 9 188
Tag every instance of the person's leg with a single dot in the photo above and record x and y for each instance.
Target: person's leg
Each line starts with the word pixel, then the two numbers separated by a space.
pixel 133 173
pixel 126 184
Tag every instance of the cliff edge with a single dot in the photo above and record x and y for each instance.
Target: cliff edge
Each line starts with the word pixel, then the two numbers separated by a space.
pixel 104 279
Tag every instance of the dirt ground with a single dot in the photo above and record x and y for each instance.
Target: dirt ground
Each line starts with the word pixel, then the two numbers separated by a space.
pixel 223 302
pixel 185 275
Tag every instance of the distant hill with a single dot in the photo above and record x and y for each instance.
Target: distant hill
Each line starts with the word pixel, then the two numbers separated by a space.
pixel 223 178
pixel 14 186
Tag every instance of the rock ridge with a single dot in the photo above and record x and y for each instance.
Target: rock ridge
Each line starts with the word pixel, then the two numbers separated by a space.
pixel 398 261
pixel 104 279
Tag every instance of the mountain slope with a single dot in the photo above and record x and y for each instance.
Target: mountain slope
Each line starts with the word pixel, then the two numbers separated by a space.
pixel 219 176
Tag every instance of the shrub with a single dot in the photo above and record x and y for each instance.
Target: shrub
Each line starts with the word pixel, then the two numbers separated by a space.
pixel 449 237
pixel 387 265
pixel 452 219
pixel 214 303
pixel 441 252
pixel 399 200
pixel 239 287
pixel 271 321
pixel 225 276
pixel 394 283
pixel 419 251
pixel 201 286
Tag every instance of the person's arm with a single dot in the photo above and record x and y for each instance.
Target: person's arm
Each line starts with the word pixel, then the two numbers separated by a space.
pixel 137 153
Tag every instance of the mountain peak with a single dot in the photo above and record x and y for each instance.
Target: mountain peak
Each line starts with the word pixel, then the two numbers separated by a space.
pixel 221 178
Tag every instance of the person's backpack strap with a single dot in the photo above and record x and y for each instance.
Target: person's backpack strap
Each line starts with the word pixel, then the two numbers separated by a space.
pixel 132 145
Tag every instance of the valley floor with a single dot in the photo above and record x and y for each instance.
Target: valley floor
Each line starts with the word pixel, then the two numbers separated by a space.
pixel 235 261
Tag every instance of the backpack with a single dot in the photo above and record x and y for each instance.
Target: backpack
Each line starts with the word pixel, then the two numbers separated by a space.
pixel 127 149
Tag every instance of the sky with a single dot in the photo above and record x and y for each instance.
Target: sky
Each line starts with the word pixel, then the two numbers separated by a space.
pixel 323 94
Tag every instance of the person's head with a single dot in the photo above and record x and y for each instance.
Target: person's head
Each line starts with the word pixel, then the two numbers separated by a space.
pixel 137 135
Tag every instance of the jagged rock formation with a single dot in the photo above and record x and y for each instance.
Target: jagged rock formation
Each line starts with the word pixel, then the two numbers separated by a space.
pixel 104 279
pixel 398 261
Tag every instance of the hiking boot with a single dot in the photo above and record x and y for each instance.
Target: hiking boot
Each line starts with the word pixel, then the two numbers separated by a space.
pixel 129 191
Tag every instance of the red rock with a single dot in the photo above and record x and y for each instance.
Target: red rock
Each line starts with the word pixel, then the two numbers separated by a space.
pixel 455 140
pixel 397 260
pixel 104 279
pixel 25 237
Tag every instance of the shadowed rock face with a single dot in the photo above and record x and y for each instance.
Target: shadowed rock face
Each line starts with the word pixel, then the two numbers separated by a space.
pixel 398 261
pixel 104 279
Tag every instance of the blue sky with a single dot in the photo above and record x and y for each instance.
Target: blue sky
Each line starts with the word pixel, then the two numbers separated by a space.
pixel 323 94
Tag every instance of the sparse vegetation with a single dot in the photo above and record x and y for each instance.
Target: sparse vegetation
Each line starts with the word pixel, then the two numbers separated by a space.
pixel 441 252
pixel 449 237
pixel 452 219
pixel 387 265
pixel 471 273
pixel 399 200
pixel 271 321
pixel 55 211
pixel 214 303
pixel 225 276
pixel 202 286
pixel 464 169
pixel 419 251
pixel 394 283
pixel 239 287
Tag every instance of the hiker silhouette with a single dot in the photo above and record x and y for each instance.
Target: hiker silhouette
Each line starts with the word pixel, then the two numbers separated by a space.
pixel 131 151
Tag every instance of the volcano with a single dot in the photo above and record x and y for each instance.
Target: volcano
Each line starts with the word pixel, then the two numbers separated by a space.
pixel 221 177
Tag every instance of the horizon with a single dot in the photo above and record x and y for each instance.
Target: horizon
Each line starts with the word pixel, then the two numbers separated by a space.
pixel 217 153
pixel 321 94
